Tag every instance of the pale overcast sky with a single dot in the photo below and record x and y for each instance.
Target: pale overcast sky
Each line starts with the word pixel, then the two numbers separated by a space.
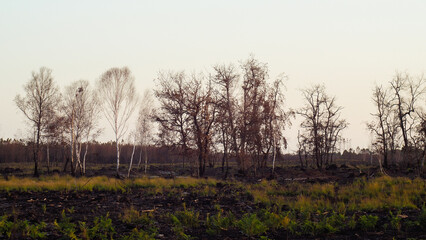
pixel 346 45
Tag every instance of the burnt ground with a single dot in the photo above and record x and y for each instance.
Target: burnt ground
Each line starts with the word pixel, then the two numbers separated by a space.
pixel 344 172
pixel 85 206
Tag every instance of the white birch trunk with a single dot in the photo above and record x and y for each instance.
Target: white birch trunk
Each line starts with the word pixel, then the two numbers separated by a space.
pixel 84 159
pixel 118 156
pixel 131 161
pixel 146 159
pixel 78 155
pixel 140 158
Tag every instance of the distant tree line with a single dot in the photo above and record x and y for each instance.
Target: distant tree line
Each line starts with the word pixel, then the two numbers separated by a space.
pixel 233 113
pixel 100 153
pixel 19 151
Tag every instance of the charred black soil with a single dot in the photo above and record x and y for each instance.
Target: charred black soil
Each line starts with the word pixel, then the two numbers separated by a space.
pixel 194 207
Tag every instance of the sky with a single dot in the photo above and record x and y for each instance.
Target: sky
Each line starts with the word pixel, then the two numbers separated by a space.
pixel 349 46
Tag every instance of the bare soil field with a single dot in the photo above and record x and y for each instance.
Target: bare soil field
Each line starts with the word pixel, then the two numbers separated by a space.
pixel 338 203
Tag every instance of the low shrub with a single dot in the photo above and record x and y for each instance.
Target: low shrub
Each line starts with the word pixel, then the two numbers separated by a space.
pixel 139 234
pixel 367 222
pixel 102 228
pixel 219 222
pixel 66 227
pixel 21 229
pixel 186 218
pixel 251 225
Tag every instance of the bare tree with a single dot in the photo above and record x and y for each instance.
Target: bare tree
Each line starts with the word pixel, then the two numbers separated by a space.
pixel 201 107
pixel 332 128
pixel 417 137
pixel 382 126
pixel 252 127
pixel 407 94
pixel 249 129
pixel 55 134
pixel 145 127
pixel 255 74
pixel 81 108
pixel 322 124
pixel 117 92
pixel 172 116
pixel 188 110
pixel 399 114
pixel 275 119
pixel 302 151
pixel 226 79
pixel 133 140
pixel 40 100
pixel 421 139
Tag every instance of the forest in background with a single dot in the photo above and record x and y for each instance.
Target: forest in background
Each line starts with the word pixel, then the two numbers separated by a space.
pixel 234 114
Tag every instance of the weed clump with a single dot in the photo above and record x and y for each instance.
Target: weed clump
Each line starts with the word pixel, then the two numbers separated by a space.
pixel 367 222
pixel 251 225
pixel 219 222
pixel 21 229
pixel 65 226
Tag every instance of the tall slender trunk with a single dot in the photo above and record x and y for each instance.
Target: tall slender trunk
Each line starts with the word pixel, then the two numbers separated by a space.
pixel 131 160
pixel 72 142
pixel 78 157
pixel 118 157
pixel 274 153
pixel 299 152
pixel 37 152
pixel 146 160
pixel 224 159
pixel 140 157
pixel 72 155
pixel 227 168
pixel 380 165
pixel 35 161
pixel 84 159
pixel 48 158
pixel 65 158
pixel 423 158
pixel 183 160
pixel 233 129
pixel 200 164
pixel 306 157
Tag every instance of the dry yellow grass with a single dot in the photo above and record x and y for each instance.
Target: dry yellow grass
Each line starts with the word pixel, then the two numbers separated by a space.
pixel 379 193
pixel 100 183
pixel 383 192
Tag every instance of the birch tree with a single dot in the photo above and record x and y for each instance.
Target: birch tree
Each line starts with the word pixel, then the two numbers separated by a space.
pixel 145 126
pixel 275 119
pixel 381 123
pixel 40 101
pixel 132 141
pixel 81 108
pixel 254 74
pixel 116 89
